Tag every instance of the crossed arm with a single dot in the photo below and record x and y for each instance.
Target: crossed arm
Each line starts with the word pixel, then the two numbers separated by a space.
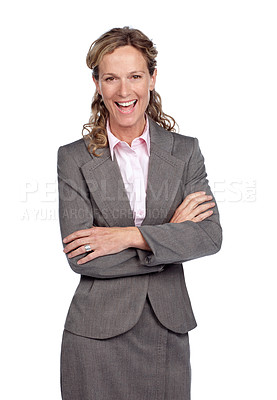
pixel 111 240
pixel 193 231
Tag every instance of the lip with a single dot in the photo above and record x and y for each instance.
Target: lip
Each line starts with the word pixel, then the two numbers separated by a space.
pixel 126 110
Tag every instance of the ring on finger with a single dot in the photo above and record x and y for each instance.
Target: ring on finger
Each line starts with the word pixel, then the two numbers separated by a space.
pixel 87 247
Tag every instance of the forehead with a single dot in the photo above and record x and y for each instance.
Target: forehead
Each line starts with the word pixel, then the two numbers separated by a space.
pixel 123 58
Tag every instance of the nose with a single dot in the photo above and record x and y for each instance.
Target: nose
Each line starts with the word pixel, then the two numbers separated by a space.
pixel 124 88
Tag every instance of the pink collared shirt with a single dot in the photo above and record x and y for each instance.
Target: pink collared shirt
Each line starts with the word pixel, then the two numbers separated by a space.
pixel 133 164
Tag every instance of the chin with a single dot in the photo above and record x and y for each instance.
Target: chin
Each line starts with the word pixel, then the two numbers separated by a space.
pixel 128 121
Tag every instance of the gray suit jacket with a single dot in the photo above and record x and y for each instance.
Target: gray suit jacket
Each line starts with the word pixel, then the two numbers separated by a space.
pixel 112 290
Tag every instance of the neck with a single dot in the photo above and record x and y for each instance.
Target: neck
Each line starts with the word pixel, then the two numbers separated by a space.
pixel 127 133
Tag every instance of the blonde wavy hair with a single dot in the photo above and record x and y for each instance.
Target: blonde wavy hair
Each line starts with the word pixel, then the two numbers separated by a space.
pixel 95 129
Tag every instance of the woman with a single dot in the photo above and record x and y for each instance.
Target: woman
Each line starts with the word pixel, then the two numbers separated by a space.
pixel 134 204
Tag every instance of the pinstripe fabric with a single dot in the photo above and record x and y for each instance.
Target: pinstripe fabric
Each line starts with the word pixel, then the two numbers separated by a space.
pixel 148 362
pixel 113 288
pixel 117 345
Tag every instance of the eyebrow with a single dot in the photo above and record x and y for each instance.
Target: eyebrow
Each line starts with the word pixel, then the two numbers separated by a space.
pixel 137 72
pixel 129 73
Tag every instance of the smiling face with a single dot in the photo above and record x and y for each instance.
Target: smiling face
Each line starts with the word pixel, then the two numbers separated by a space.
pixel 125 84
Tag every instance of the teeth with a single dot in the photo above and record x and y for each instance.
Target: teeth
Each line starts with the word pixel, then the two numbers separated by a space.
pixel 127 104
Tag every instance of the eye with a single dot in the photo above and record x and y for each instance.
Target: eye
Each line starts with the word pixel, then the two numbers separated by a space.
pixel 136 76
pixel 109 79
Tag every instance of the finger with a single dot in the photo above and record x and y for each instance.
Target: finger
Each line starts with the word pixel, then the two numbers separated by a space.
pixel 203 216
pixel 76 243
pixel 89 257
pixel 192 208
pixel 187 201
pixel 196 201
pixel 189 211
pixel 77 234
pixel 80 250
pixel 195 194
pixel 190 197
pixel 193 214
pixel 198 210
pixel 202 208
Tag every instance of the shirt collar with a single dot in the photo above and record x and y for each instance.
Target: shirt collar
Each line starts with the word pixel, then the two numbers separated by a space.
pixel 113 140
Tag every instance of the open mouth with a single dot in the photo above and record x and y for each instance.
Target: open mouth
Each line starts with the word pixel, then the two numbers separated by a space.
pixel 126 106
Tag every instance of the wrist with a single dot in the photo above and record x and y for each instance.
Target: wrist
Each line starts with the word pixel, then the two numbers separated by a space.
pixel 135 239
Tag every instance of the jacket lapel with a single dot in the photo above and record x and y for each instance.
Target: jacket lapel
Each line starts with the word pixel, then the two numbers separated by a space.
pixel 106 185
pixel 164 177
pixel 165 172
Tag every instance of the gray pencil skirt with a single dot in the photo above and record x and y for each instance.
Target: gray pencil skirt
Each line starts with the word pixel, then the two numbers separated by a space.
pixel 148 362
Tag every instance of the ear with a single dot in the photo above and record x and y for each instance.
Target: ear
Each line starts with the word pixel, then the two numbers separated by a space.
pixel 153 80
pixel 97 85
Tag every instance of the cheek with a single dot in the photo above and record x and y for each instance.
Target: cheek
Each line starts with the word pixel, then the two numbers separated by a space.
pixel 108 103
pixel 106 91
pixel 144 93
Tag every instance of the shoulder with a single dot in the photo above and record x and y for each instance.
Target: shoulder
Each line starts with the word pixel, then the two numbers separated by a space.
pixel 74 147
pixel 183 140
pixel 184 146
pixel 179 145
pixel 76 151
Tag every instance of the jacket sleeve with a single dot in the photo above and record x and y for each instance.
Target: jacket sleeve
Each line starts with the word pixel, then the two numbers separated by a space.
pixel 75 213
pixel 178 242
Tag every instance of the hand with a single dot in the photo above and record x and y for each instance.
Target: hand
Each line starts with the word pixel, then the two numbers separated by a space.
pixel 102 241
pixel 192 209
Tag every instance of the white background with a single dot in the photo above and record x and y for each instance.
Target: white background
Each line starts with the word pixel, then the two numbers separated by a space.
pixel 217 76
